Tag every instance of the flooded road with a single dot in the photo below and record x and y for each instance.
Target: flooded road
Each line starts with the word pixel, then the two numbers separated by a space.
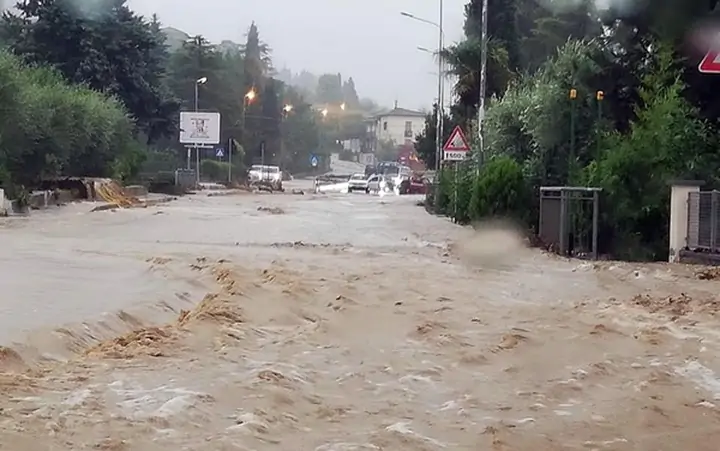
pixel 340 322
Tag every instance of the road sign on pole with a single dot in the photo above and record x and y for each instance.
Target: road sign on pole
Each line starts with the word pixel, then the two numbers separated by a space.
pixel 710 64
pixel 456 148
pixel 219 152
pixel 313 161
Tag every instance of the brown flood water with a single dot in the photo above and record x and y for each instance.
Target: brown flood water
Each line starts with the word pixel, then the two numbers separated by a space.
pixel 339 323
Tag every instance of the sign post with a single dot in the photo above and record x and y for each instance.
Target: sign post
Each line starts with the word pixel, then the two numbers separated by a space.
pixel 456 149
pixel 199 130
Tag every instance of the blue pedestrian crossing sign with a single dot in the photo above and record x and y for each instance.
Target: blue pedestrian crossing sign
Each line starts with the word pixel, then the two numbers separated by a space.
pixel 313 161
pixel 219 152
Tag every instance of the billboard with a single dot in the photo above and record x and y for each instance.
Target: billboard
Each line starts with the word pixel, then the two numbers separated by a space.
pixel 199 128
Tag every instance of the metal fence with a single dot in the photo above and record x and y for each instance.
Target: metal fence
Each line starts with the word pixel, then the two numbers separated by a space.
pixel 704 220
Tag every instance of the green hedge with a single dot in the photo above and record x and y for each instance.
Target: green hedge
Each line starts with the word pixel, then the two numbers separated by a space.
pixel 49 128
pixel 499 190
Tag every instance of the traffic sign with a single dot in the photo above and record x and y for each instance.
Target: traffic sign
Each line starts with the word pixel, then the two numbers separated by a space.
pixel 219 152
pixel 456 148
pixel 710 64
pixel 314 161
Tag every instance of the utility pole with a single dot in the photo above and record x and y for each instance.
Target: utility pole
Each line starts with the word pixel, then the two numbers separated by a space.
pixel 441 91
pixel 483 81
pixel 198 82
pixel 571 155
pixel 230 171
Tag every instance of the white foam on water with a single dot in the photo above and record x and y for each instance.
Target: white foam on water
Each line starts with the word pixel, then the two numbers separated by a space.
pixel 701 376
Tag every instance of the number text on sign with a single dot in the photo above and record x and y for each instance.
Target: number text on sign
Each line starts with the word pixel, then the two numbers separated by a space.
pixel 455 155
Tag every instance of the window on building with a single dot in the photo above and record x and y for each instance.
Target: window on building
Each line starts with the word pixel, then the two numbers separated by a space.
pixel 385 126
pixel 408 129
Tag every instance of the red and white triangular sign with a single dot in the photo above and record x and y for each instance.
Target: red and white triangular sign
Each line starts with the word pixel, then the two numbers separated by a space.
pixel 457 141
pixel 711 63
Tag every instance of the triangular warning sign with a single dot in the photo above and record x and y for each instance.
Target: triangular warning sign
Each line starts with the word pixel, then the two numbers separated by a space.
pixel 457 141
pixel 711 63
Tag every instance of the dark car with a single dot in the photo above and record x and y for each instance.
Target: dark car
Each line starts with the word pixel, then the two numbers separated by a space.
pixel 414 185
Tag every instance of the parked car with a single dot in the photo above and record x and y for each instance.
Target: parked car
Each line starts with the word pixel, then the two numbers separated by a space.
pixel 266 175
pixel 358 182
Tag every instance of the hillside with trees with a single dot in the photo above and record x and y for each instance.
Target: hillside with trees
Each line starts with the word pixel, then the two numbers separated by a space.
pixel 97 91
pixel 583 96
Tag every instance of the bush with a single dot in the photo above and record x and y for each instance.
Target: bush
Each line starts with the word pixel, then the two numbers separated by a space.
pixel 217 171
pixel 49 128
pixel 498 190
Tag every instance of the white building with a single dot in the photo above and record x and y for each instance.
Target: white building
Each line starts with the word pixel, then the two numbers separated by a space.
pixel 397 126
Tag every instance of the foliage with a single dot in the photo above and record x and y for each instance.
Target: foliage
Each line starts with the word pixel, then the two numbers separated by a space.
pixel 499 190
pixel 50 128
pixel 103 45
pixel 425 143
pixel 217 171
pixel 667 141
pixel 656 120
pixel 115 87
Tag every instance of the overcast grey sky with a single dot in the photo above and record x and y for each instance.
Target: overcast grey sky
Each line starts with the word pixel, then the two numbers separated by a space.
pixel 366 39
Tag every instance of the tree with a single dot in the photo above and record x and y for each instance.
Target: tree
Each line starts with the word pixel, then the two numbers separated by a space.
pixel 668 140
pixel 329 89
pixel 258 64
pixel 350 96
pixel 50 128
pixel 106 46
pixel 425 144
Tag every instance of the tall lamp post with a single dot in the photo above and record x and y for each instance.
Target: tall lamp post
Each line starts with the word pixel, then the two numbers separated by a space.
pixel 571 156
pixel 285 112
pixel 198 82
pixel 440 87
pixel 599 96
pixel 248 98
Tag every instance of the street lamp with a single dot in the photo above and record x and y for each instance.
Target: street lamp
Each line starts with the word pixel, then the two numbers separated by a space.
pixel 571 156
pixel 287 108
pixel 342 107
pixel 441 85
pixel 198 82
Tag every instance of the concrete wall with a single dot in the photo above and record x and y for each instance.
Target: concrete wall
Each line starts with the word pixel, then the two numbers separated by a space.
pixel 4 204
pixel 135 191
pixel 679 194
pixel 43 199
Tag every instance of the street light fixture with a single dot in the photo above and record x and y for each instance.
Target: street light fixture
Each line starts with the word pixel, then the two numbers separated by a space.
pixel 198 82
pixel 441 85
pixel 251 94
pixel 287 108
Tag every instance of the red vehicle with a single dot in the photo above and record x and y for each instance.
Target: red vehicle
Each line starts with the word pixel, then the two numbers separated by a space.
pixel 414 185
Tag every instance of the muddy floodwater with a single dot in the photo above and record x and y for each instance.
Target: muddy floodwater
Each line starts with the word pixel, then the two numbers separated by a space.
pixel 338 323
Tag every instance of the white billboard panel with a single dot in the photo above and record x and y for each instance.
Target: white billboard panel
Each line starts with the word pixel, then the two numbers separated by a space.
pixel 199 128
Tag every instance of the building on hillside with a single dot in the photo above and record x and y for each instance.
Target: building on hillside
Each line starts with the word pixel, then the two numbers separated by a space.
pixel 398 126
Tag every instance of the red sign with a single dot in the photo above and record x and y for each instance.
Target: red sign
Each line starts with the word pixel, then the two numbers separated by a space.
pixel 457 141
pixel 711 63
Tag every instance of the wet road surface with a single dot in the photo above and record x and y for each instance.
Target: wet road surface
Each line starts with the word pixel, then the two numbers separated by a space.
pixel 339 322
